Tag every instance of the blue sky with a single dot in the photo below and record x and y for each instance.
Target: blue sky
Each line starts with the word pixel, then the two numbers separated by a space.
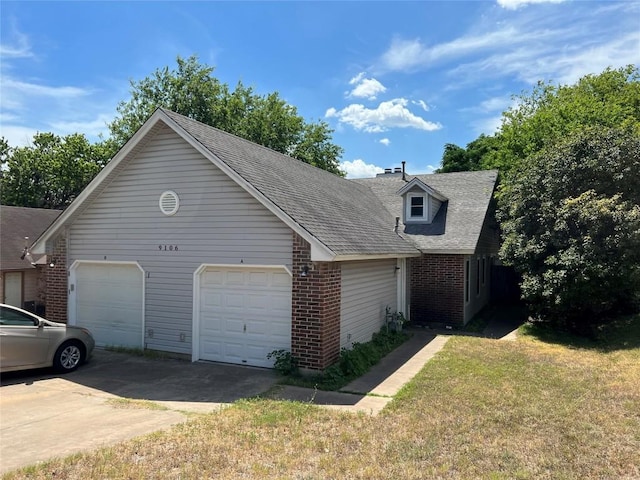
pixel 395 80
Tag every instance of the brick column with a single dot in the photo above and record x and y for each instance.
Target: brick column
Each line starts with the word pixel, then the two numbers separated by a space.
pixel 315 322
pixel 437 289
pixel 57 285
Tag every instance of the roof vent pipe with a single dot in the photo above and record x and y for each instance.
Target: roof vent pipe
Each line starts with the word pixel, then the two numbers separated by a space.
pixel 404 175
pixel 395 229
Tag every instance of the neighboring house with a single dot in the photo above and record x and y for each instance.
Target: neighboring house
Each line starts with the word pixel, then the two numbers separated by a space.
pixel 197 242
pixel 23 275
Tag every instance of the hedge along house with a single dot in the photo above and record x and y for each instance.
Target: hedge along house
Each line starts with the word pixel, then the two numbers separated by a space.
pixel 197 242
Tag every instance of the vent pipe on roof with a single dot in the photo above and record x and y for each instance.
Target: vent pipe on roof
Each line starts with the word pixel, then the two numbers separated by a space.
pixel 404 175
pixel 395 229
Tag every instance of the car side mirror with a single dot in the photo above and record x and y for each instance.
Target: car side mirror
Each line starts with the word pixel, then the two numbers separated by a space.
pixel 40 324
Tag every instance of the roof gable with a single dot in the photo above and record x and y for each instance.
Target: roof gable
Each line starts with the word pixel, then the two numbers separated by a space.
pixel 19 228
pixel 415 182
pixel 339 218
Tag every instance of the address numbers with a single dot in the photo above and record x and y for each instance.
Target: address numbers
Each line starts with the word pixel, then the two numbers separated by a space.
pixel 168 248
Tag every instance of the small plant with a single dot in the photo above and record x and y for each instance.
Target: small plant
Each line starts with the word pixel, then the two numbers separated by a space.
pixel 284 362
pixel 394 320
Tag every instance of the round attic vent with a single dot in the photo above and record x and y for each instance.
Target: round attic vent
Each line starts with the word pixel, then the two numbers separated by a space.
pixel 169 202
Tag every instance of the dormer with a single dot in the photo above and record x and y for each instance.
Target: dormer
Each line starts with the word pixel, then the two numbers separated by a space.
pixel 420 202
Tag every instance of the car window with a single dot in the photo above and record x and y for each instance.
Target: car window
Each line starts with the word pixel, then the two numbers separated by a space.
pixel 13 317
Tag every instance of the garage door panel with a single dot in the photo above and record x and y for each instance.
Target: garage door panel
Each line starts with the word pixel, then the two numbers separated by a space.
pixel 108 301
pixel 253 314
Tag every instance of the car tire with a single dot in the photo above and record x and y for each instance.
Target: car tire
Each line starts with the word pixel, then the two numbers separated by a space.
pixel 69 356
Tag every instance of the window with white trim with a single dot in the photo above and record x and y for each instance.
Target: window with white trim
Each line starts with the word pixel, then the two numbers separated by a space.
pixel 417 206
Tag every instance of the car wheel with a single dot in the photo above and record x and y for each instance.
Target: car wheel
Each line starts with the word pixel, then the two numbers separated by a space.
pixel 68 356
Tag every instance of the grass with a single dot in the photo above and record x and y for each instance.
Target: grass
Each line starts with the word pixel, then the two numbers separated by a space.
pixel 481 408
pixel 135 404
pixel 139 352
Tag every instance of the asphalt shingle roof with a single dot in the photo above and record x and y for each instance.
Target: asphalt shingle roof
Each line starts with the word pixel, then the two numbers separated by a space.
pixel 344 215
pixel 459 221
pixel 16 223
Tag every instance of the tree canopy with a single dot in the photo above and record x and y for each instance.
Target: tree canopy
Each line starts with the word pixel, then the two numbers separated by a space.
pixel 193 91
pixel 549 113
pixel 571 223
pixel 51 172
pixel 458 159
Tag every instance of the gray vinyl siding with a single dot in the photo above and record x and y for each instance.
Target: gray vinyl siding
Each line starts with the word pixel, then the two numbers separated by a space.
pixel 217 223
pixel 433 207
pixel 367 288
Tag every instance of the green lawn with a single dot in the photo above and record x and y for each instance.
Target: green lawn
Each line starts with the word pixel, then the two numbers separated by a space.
pixel 540 407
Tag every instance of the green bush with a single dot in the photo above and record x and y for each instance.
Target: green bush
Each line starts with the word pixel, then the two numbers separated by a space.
pixel 352 363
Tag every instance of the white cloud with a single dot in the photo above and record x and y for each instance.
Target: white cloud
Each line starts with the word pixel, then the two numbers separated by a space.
pixel 367 88
pixel 385 141
pixel 391 114
pixel 495 104
pixel 19 47
pixel 488 125
pixel 16 135
pixel 565 66
pixel 359 169
pixel 17 87
pixel 422 104
pixel 91 128
pixel 529 45
pixel 515 4
pixel 408 55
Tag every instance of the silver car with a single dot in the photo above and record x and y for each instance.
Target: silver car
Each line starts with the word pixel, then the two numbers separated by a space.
pixel 29 341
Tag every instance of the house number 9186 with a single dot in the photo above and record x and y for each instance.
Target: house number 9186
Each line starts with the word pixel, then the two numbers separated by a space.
pixel 168 248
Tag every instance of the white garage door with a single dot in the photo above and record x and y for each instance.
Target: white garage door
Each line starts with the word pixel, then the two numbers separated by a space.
pixel 108 301
pixel 245 313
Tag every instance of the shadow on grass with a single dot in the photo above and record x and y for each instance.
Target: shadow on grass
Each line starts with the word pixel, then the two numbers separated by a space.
pixel 621 334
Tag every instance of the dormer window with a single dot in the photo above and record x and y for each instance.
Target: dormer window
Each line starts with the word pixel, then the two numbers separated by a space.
pixel 417 206
pixel 421 202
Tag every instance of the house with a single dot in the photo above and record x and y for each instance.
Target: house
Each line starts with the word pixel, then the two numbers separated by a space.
pixel 197 242
pixel 22 275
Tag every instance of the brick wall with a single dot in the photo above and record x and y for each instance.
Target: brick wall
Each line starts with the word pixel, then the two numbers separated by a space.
pixel 315 322
pixel 56 301
pixel 437 289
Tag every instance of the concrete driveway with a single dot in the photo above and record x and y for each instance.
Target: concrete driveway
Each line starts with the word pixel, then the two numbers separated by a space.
pixel 44 415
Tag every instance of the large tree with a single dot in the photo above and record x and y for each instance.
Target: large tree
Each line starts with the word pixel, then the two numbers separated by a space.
pixel 193 91
pixel 571 223
pixel 50 172
pixel 548 113
pixel 458 159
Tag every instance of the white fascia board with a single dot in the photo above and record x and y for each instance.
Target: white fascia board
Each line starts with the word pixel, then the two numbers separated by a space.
pixel 319 251
pixel 39 246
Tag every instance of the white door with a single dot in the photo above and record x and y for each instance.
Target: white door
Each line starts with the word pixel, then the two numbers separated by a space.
pixel 109 302
pixel 13 289
pixel 244 314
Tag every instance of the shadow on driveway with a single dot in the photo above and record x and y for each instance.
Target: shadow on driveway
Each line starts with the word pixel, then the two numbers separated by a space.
pixel 158 380
pixel 44 415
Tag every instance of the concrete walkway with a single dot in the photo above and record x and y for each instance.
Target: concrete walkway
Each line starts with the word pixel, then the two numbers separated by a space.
pixel 374 390
pixel 371 392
